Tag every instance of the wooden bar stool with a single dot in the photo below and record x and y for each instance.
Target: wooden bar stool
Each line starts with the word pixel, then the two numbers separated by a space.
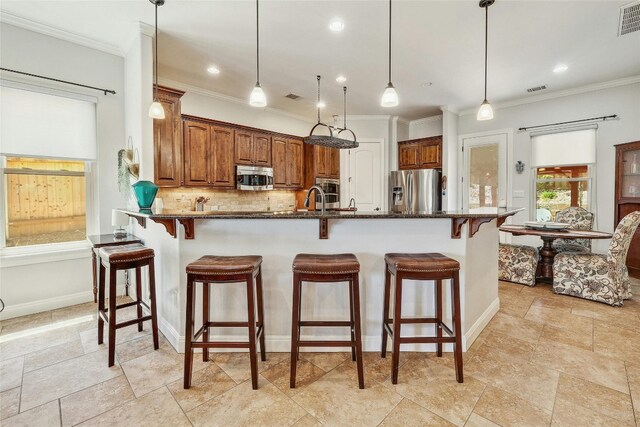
pixel 428 266
pixel 224 269
pixel 125 257
pixel 326 268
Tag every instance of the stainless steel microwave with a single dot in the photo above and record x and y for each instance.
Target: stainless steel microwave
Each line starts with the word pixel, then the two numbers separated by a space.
pixel 254 178
pixel 331 188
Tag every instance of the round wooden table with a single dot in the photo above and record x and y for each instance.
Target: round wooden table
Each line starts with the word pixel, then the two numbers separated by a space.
pixel 548 253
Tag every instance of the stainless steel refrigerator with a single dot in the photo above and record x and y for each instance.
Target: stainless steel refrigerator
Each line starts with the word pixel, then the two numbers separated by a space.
pixel 415 191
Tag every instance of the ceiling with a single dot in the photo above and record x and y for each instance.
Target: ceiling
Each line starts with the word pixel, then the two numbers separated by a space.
pixel 440 42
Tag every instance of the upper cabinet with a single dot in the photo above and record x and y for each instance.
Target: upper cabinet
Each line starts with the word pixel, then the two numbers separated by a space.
pixel 288 157
pixel 627 196
pixel 322 162
pixel 424 153
pixel 167 140
pixel 252 148
pixel 208 155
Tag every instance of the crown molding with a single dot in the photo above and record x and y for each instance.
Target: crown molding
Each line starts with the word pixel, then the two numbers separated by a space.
pixel 401 120
pixel 48 30
pixel 560 94
pixel 450 109
pixel 141 29
pixel 366 117
pixel 427 119
pixel 211 94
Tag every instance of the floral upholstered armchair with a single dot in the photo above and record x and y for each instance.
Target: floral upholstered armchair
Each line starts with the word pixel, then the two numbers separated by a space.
pixel 517 263
pixel 578 219
pixel 602 278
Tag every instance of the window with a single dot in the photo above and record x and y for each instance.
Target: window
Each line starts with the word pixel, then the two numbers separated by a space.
pixel 563 164
pixel 47 148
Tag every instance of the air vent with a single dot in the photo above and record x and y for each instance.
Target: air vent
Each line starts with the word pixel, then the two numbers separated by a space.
pixel 629 18
pixel 293 96
pixel 537 88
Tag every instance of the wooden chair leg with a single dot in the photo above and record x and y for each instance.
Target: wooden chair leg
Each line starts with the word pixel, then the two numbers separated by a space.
pixel 385 310
pixel 397 316
pixel 457 323
pixel 139 295
pixel 188 334
pixel 101 305
pixel 295 317
pixel 154 303
pixel 299 316
pixel 438 299
pixel 355 289
pixel 353 323
pixel 251 310
pixel 205 320
pixel 263 350
pixel 112 315
pixel 94 270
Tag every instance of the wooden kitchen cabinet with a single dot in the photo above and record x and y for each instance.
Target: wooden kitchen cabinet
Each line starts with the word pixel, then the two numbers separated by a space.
pixel 288 160
pixel 323 162
pixel 423 153
pixel 208 155
pixel 261 149
pixel 627 196
pixel 252 148
pixel 167 140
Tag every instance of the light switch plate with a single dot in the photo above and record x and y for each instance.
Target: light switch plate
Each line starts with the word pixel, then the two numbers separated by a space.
pixel 518 194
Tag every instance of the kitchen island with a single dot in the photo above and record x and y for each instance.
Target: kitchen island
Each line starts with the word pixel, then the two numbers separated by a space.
pixel 180 237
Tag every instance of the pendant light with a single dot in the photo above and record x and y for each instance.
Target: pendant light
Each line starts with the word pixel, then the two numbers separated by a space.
pixel 257 97
pixel 156 111
pixel 389 96
pixel 485 112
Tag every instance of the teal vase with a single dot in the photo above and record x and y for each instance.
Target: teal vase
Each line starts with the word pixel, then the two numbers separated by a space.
pixel 145 192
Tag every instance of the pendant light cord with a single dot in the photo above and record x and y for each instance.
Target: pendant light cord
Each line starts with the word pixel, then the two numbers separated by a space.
pixel 389 41
pixel 318 104
pixel 156 61
pixel 486 44
pixel 344 88
pixel 257 44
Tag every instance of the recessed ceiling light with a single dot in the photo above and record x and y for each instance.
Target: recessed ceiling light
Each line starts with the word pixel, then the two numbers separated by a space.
pixel 560 68
pixel 341 79
pixel 426 84
pixel 321 104
pixel 213 70
pixel 336 25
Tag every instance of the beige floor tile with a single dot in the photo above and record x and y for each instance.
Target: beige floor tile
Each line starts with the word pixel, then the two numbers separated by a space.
pixel 408 414
pixel 633 372
pixel 616 342
pixel 307 421
pixel 553 300
pixel 539 290
pixel 557 316
pixel 509 288
pixel 635 398
pixel 378 369
pixel 206 384
pixel 536 384
pixel 582 363
pixel 9 403
pixel 522 329
pixel 52 355
pixel 46 415
pixel 242 406
pixel 434 387
pixel 306 373
pixel 476 420
pixel 66 377
pixel 90 337
pixel 621 317
pixel 596 397
pixel 11 373
pixel 505 409
pixel 25 342
pixel 325 361
pixel 92 401
pixel 566 414
pixel 515 309
pixel 157 408
pixel 335 399
pixel 509 345
pixel 24 323
pixel 577 336
pixel 238 367
pixel 135 348
pixel 75 311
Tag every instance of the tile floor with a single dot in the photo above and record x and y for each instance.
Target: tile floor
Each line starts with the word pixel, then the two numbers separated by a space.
pixel 543 360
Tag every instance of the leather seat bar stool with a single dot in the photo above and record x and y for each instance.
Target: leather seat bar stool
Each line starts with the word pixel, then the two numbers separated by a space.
pixel 326 268
pixel 224 269
pixel 118 258
pixel 425 266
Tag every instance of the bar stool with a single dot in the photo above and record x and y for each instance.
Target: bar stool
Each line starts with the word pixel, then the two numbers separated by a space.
pixel 427 266
pixel 326 268
pixel 125 257
pixel 224 269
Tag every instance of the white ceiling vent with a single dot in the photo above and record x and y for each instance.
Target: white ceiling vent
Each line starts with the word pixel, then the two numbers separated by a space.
pixel 629 18
pixel 293 96
pixel 537 88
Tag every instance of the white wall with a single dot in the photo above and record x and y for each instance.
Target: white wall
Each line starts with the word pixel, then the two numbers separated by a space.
pixel 622 100
pixel 423 128
pixel 36 53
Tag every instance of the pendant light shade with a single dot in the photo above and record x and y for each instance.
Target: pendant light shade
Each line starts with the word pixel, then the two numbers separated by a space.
pixel 485 112
pixel 257 97
pixel 156 111
pixel 389 96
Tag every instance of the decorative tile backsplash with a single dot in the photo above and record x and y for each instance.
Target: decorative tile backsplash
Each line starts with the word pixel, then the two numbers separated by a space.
pixel 226 201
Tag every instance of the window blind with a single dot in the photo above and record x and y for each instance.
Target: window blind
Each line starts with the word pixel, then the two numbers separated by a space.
pixel 37 124
pixel 576 147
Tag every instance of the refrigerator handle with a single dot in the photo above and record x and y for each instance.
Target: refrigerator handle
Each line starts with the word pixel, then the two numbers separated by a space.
pixel 410 191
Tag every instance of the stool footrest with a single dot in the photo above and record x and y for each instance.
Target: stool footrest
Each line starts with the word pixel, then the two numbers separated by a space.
pixel 132 322
pixel 220 344
pixel 228 324
pixel 326 344
pixel 325 323
pixel 419 320
pixel 425 340
pixel 387 326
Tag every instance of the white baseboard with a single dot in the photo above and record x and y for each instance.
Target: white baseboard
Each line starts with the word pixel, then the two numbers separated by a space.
pixel 481 323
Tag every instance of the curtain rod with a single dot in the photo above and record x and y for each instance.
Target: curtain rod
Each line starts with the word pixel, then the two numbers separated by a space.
pixel 106 91
pixel 603 118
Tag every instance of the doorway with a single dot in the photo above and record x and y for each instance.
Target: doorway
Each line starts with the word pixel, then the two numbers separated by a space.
pixel 364 177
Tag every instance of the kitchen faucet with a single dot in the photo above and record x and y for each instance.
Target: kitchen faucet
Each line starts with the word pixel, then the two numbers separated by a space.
pixel 307 201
